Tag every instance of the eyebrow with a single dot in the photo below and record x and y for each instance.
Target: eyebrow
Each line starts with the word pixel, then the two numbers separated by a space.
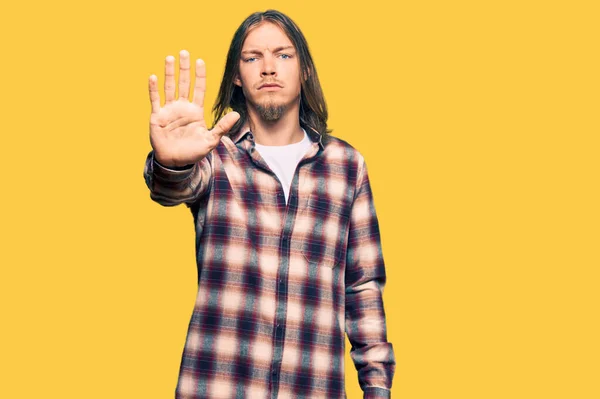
pixel 275 50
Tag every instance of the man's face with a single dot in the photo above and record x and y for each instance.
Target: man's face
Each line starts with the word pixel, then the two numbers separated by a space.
pixel 269 71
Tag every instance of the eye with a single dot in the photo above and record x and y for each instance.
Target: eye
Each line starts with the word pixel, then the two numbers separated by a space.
pixel 251 59
pixel 286 56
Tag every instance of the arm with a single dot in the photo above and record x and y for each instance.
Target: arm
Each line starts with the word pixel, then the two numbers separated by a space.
pixel 180 138
pixel 173 186
pixel 372 355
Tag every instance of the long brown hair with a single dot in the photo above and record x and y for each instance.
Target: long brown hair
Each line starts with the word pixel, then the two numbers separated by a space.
pixel 313 109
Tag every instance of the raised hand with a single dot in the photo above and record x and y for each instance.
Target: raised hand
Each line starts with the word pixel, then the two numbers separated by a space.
pixel 178 132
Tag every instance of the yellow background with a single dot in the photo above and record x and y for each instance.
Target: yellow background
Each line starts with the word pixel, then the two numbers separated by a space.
pixel 479 124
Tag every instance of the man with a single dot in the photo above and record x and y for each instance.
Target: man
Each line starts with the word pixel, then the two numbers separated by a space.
pixel 287 239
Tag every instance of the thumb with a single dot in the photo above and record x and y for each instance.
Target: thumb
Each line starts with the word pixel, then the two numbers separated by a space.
pixel 226 123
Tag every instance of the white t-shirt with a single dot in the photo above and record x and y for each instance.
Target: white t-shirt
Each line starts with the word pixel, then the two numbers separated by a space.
pixel 283 159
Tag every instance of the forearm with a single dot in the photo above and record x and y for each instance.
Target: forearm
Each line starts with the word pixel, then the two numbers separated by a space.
pixel 173 186
pixel 372 354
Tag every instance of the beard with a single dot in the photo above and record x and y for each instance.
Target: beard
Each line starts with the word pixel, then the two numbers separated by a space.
pixel 270 111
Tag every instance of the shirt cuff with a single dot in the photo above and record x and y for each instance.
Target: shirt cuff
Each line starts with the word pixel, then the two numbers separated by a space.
pixel 376 393
pixel 171 174
pixel 188 166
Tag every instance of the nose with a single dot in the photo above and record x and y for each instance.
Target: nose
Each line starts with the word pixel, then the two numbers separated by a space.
pixel 268 68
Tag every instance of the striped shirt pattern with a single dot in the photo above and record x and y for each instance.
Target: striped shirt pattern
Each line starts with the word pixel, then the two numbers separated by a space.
pixel 279 285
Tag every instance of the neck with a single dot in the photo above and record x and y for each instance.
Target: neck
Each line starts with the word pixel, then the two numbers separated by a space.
pixel 286 130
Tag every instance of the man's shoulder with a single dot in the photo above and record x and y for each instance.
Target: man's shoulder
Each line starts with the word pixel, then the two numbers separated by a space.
pixel 337 148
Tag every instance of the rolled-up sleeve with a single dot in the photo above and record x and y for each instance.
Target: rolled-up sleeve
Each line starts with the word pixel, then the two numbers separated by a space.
pixel 372 355
pixel 170 187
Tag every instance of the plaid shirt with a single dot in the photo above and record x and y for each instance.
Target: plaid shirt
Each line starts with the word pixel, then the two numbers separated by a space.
pixel 280 284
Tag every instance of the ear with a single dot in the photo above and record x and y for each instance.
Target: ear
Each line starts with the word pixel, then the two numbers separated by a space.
pixel 306 74
pixel 237 81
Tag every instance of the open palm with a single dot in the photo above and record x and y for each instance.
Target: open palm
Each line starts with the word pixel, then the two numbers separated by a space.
pixel 178 132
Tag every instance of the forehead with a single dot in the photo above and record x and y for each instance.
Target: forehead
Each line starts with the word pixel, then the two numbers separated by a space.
pixel 266 35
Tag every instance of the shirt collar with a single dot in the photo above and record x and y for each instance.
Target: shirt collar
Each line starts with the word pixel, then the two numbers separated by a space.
pixel 314 136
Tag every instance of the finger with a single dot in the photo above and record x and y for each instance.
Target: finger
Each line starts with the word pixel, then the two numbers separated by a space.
pixel 169 79
pixel 184 74
pixel 154 96
pixel 226 123
pixel 200 86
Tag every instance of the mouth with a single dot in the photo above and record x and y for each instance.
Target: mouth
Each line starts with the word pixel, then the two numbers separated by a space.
pixel 270 86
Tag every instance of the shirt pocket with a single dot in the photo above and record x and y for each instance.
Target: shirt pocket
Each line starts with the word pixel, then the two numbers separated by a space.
pixel 325 244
